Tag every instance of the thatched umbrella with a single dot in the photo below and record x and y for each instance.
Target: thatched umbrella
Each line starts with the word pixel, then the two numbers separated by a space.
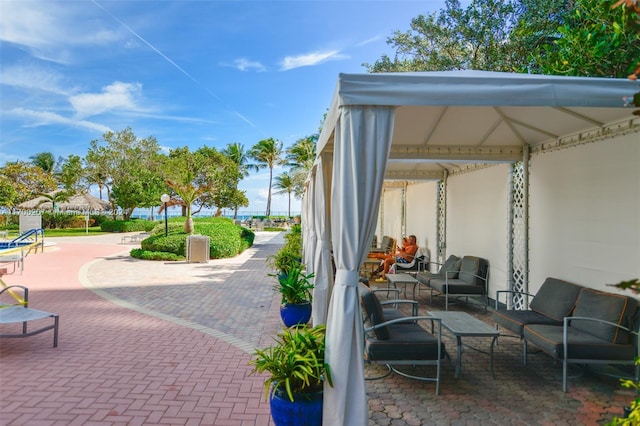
pixel 83 202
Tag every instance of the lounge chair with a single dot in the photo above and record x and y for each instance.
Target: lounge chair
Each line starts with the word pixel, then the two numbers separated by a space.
pixel 19 312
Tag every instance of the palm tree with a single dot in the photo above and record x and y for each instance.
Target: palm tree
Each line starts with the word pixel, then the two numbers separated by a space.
pixel 300 157
pixel 267 153
pixel 45 160
pixel 286 184
pixel 236 153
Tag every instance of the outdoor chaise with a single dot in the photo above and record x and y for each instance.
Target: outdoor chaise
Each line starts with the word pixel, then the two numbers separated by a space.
pixel 401 340
pixel 21 313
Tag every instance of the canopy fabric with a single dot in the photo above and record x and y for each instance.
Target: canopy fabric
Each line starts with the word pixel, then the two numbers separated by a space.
pixel 362 142
pixel 447 120
pixel 415 126
pixel 83 202
pixel 322 260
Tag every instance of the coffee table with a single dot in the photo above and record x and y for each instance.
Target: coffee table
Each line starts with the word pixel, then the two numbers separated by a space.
pixel 462 324
pixel 405 279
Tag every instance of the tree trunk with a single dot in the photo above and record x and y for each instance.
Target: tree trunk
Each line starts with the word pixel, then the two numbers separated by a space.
pixel 188 225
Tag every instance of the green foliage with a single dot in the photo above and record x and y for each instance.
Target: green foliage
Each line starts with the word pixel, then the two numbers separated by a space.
pixel 175 242
pixel 155 255
pixel 268 154
pixel 226 239
pixel 127 165
pixel 131 225
pixel 294 285
pixel 634 416
pixel 454 38
pixel 20 182
pixel 295 362
pixel 290 254
pixel 594 41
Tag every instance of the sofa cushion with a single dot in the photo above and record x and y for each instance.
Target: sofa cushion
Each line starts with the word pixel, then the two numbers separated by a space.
pixel 451 264
pixel 515 320
pixel 582 345
pixel 373 311
pixel 455 286
pixel 615 308
pixel 555 299
pixel 406 342
pixel 471 269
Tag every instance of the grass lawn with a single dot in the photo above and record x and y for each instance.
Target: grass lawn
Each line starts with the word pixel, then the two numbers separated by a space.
pixel 67 232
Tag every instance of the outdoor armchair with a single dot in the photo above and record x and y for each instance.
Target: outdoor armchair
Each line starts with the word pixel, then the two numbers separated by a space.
pixel 400 341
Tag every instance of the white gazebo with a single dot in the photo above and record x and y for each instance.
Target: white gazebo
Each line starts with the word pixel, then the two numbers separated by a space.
pixel 464 133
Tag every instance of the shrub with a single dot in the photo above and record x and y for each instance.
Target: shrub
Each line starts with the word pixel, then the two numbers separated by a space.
pixel 173 243
pixel 154 255
pixel 127 225
pixel 226 239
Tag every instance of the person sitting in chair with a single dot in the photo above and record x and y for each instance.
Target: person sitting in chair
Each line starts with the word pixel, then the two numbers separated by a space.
pixel 404 254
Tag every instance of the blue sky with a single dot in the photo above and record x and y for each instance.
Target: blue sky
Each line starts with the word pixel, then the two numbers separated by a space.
pixel 188 73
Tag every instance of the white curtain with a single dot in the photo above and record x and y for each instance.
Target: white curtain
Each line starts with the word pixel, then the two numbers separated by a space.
pixel 322 262
pixel 362 141
pixel 309 237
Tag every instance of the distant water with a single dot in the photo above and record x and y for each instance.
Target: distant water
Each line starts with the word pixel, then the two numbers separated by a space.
pixel 174 212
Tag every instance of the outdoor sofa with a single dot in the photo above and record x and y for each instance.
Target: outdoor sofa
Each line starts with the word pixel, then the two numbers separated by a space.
pixel 575 324
pixel 466 277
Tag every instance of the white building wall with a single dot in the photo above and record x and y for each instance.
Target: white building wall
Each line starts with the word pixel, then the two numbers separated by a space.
pixel 422 215
pixel 585 214
pixel 391 208
pixel 477 219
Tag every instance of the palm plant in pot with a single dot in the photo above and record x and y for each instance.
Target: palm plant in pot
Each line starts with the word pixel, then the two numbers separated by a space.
pixel 297 375
pixel 295 288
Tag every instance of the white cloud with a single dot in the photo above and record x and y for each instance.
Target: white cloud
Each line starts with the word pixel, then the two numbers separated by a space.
pixel 117 95
pixel 310 59
pixel 34 77
pixel 244 64
pixel 43 118
pixel 49 29
pixel 368 41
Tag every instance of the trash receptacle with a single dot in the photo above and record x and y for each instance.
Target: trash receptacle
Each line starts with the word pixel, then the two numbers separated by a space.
pixel 197 248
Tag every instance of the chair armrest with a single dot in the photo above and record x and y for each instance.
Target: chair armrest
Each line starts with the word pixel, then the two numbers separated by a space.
pixel 512 292
pixel 24 300
pixel 446 276
pixel 394 290
pixel 437 321
pixel 413 303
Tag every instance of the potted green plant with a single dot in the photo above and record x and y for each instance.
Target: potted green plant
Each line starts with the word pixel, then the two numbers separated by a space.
pixel 295 288
pixel 297 373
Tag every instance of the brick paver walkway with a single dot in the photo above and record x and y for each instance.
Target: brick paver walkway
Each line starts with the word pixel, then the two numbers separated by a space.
pixel 169 343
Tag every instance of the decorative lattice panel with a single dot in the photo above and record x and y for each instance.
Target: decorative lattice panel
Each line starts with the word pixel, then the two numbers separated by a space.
pixel 519 234
pixel 442 214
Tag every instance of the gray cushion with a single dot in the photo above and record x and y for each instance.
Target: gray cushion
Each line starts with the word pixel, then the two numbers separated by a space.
pixel 455 286
pixel 471 269
pixel 406 342
pixel 615 308
pixel 373 311
pixel 555 299
pixel 451 264
pixel 582 345
pixel 514 320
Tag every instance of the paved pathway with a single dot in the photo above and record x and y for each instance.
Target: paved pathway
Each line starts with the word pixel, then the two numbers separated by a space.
pixel 169 343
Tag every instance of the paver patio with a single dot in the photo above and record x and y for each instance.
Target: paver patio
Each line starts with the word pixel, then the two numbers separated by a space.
pixel 169 343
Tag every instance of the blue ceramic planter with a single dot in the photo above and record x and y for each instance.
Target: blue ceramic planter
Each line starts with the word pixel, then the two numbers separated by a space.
pixel 305 410
pixel 295 314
